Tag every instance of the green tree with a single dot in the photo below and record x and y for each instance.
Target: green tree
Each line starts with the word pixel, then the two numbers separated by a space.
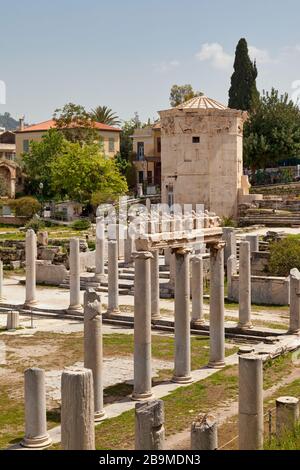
pixel 182 93
pixel 37 163
pixel 8 122
pixel 243 93
pixel 76 124
pixel 272 132
pixel 82 171
pixel 105 115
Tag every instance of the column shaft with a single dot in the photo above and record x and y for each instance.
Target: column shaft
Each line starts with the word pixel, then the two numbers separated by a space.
pixel 75 304
pixel 113 278
pixel 197 291
pixel 155 292
pixel 31 254
pixel 294 301
pixel 245 286
pixel 100 247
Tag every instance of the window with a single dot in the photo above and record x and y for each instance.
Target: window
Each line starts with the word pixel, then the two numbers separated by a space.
pixel 149 177
pixel 158 145
pixel 10 156
pixel 111 145
pixel 26 145
pixel 140 150
pixel 141 176
pixel 196 140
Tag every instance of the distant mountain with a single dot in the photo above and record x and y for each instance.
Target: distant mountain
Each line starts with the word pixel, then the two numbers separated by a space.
pixel 7 121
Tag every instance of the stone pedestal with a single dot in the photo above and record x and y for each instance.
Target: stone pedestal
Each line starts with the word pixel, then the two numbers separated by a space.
pixel 142 327
pixel 149 425
pixel 100 275
pixel 204 433
pixel 182 366
pixel 294 302
pixel 216 325
pixel 245 287
pixel 36 435
pixel 77 410
pixel 197 291
pixel 254 242
pixel 251 413
pixel 31 254
pixel 93 347
pixel 155 291
pixel 75 305
pixel 12 320
pixel 113 278
pixel 287 415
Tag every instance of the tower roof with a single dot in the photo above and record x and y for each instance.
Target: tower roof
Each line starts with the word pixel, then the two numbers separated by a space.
pixel 201 102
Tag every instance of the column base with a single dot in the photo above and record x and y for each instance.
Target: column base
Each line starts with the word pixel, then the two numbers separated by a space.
pixel 75 309
pixel 216 364
pixel 142 396
pixel 182 380
pixel 30 303
pixel 99 416
pixel 197 322
pixel 113 311
pixel 294 332
pixel 36 442
pixel 246 326
pixel 155 318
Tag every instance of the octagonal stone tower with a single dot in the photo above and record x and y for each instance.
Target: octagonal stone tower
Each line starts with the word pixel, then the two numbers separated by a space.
pixel 202 155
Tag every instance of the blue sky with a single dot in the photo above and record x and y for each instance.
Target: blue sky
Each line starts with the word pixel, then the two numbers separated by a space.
pixel 127 54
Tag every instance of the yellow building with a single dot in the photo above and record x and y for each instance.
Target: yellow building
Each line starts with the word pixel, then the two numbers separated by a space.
pixel 109 135
pixel 146 160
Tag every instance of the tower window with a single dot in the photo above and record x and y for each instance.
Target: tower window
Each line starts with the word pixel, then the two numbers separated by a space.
pixel 196 140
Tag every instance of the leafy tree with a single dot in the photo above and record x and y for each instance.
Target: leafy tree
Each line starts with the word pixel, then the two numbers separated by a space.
pixel 284 256
pixel 243 93
pixel 182 93
pixel 76 124
pixel 25 206
pixel 37 163
pixel 272 132
pixel 105 115
pixel 82 171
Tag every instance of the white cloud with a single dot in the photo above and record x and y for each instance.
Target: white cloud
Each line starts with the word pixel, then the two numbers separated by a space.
pixel 261 56
pixel 215 54
pixel 166 66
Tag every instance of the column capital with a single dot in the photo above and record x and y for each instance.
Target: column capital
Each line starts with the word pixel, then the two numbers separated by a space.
pixel 183 250
pixel 216 245
pixel 142 255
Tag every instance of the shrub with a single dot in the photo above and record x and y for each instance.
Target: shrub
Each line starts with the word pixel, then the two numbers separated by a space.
pixel 25 206
pixel 284 256
pixel 35 224
pixel 81 224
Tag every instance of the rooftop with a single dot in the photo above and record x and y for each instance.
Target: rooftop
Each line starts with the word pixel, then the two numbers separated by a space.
pixel 201 102
pixel 46 125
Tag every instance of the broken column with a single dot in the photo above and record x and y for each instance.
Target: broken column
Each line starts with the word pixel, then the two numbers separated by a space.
pixel 77 410
pixel 100 251
pixel 254 242
pixel 294 302
pixel 287 415
pixel 142 327
pixel 155 292
pixel 93 347
pixel 182 366
pixel 113 278
pixel 31 254
pixel 245 286
pixel 216 325
pixel 204 433
pixel 197 291
pixel 35 409
pixel 12 320
pixel 149 425
pixel 75 305
pixel 251 413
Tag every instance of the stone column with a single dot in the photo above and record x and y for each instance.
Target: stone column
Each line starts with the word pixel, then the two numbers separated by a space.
pixel 12 320
pixel 1 280
pixel 149 425
pixel 182 366
pixel 77 410
pixel 121 239
pixel 197 291
pixel 251 412
pixel 155 292
pixel 75 305
pixel 245 286
pixel 294 302
pixel 229 238
pixel 100 251
pixel 216 326
pixel 167 253
pixel 113 278
pixel 231 271
pixel 172 271
pixel 35 409
pixel 254 242
pixel 204 433
pixel 31 253
pixel 142 327
pixel 93 347
pixel 287 415
pixel 129 249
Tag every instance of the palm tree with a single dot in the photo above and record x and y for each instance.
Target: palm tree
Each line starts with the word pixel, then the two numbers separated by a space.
pixel 105 115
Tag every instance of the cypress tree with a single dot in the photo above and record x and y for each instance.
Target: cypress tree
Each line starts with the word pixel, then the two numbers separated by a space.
pixel 243 93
